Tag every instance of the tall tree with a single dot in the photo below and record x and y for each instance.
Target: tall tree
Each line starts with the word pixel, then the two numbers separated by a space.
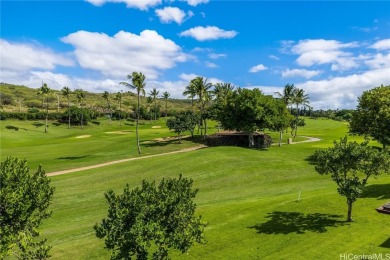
pixel 45 92
pixel 163 215
pixel 281 118
pixel 350 165
pixel 154 94
pixel 24 201
pixel 190 92
pixel 287 95
pixel 203 92
pixel 66 92
pixel 166 96
pixel 221 90
pixel 118 98
pixel 106 96
pixel 138 83
pixel 299 98
pixel 80 95
pixel 372 116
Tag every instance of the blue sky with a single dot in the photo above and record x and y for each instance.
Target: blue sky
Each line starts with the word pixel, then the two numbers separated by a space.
pixel 334 50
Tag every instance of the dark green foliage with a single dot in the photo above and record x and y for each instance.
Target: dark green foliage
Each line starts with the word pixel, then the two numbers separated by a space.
pixel 163 216
pixel 260 140
pixel 183 122
pixel 6 99
pixel 78 114
pixel 24 202
pixel 350 165
pixel 372 116
pixel 30 116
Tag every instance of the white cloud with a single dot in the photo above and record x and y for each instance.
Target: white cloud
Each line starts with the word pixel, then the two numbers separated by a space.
pixel 381 45
pixel 211 64
pixel 201 33
pixel 342 92
pixel 379 61
pixel 138 4
pixel 172 14
pixel 188 77
pixel 125 52
pixel 300 73
pixel 22 56
pixel 216 56
pixel 257 68
pixel 273 57
pixel 320 51
pixel 196 2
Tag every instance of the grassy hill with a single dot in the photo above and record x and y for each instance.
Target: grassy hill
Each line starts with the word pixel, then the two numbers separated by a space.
pixel 248 197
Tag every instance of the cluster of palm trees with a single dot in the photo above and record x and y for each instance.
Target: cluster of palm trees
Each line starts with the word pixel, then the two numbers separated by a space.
pixel 293 96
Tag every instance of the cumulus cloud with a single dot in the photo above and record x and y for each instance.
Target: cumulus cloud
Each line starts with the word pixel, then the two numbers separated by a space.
pixel 172 14
pixel 196 2
pixel 300 73
pixel 320 51
pixel 211 64
pixel 201 33
pixel 125 52
pixel 379 61
pixel 273 57
pixel 24 56
pixel 257 68
pixel 190 76
pixel 138 4
pixel 381 45
pixel 216 56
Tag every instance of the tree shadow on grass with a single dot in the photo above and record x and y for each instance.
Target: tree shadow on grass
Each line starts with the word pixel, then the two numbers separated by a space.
pixel 174 140
pixel 379 191
pixel 95 122
pixel 386 244
pixel 72 157
pixel 296 222
pixel 38 124
pixel 56 124
pixel 11 127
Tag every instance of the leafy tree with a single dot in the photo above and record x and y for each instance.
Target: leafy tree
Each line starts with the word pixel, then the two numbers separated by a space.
pixel 80 95
pixel 44 90
pixel 372 116
pixel 24 201
pixel 162 215
pixel 106 96
pixel 66 92
pixel 138 83
pixel 166 96
pixel 281 119
pixel 246 110
pixel 183 122
pixel 350 165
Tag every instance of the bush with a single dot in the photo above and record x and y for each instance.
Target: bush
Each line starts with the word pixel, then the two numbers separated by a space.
pixel 77 113
pixel 240 139
pixel 33 110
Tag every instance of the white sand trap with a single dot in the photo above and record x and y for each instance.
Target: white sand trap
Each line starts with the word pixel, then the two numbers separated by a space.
pixel 156 126
pixel 119 132
pixel 83 136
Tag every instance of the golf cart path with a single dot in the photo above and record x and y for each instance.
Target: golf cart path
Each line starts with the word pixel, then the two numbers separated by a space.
pixel 123 160
pixel 310 139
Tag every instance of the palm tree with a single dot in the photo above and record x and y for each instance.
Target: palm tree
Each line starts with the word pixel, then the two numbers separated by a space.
pixel 66 93
pixel 299 98
pixel 221 90
pixel 80 95
pixel 138 83
pixel 166 96
pixel 202 90
pixel 287 95
pixel 118 97
pixel 190 92
pixel 154 93
pixel 44 91
pixel 106 96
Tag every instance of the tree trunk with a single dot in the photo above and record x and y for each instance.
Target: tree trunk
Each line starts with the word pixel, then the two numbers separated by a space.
pixel 251 140
pixel 280 138
pixel 296 123
pixel 136 127
pixel 205 127
pixel 349 217
pixel 47 113
pixel 68 114
pixel 179 137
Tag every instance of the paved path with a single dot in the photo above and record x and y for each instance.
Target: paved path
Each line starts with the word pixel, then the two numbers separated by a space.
pixel 310 139
pixel 123 160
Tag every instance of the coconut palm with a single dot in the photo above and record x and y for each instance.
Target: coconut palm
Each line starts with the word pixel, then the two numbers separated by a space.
pixel 44 90
pixel 138 83
pixel 66 93
pixel 80 95
pixel 299 98
pixel 287 95
pixel 118 98
pixel 221 90
pixel 166 96
pixel 153 94
pixel 202 90
pixel 106 96
pixel 190 92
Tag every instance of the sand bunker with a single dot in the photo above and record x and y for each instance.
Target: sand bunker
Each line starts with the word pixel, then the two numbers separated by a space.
pixel 83 136
pixel 156 126
pixel 119 132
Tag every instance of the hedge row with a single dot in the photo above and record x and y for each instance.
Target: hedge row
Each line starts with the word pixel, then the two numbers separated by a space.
pixel 30 116
pixel 261 141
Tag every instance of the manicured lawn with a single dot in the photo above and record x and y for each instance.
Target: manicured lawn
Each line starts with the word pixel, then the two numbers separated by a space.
pixel 248 197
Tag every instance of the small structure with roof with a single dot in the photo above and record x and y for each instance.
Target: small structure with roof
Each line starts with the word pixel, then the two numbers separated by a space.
pixel 384 209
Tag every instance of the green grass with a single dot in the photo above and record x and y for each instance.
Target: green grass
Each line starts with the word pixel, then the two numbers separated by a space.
pixel 248 197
